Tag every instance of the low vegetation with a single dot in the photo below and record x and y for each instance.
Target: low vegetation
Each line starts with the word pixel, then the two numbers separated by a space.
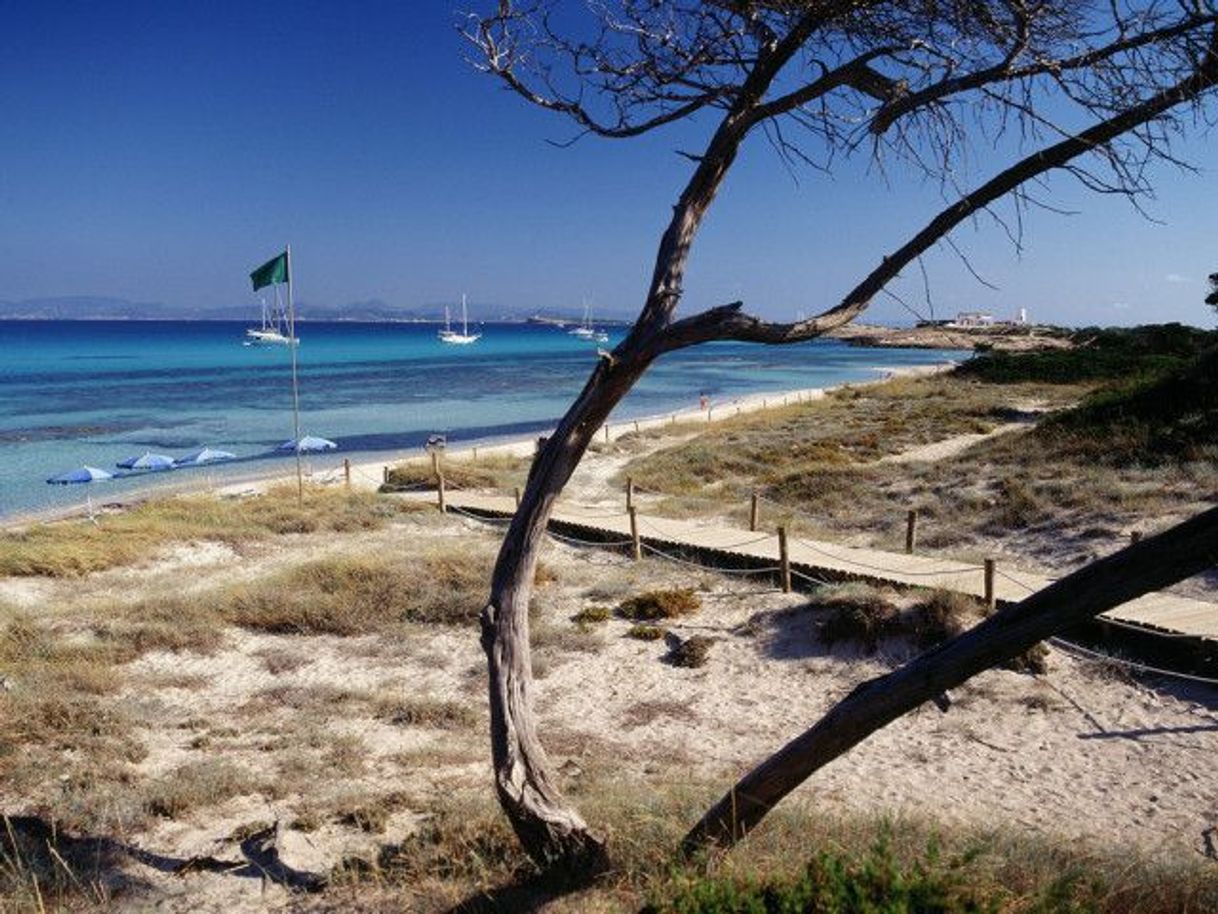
pixel 800 861
pixel 76 547
pixel 1099 354
pixel 592 615
pixel 1138 442
pixel 493 471
pixel 659 604
pixel 691 652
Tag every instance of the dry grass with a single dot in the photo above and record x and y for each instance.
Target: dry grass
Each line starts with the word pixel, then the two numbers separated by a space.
pixel 849 426
pixel 494 471
pixel 433 713
pixel 644 632
pixel 342 595
pixel 78 547
pixel 196 785
pixel 52 707
pixel 1058 493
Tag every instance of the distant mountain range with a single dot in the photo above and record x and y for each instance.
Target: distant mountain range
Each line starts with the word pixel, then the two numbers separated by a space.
pixel 101 308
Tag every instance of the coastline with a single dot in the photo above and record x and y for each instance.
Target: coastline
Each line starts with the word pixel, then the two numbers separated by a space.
pixel 367 469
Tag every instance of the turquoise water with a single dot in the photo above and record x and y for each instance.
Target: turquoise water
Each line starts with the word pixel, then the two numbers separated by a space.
pixel 74 393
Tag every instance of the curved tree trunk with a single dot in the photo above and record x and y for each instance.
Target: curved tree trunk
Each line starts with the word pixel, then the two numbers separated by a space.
pixel 551 831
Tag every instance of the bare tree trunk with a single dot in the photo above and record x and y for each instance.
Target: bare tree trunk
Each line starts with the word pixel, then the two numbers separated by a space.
pixel 551 831
pixel 1152 564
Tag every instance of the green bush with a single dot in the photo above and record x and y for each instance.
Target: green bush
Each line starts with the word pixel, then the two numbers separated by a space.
pixel 1099 354
pixel 835 884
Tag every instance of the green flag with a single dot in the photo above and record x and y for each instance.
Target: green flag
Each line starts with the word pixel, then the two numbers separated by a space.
pixel 273 271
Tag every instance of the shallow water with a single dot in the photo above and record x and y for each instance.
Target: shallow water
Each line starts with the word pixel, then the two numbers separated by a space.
pixel 74 392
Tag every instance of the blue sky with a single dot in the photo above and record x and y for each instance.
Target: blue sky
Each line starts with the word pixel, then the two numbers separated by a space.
pixel 159 151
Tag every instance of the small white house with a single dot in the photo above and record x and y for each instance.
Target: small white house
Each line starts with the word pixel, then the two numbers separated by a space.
pixel 974 319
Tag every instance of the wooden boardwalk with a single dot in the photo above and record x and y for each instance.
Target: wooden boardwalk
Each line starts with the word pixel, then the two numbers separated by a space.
pixel 1159 613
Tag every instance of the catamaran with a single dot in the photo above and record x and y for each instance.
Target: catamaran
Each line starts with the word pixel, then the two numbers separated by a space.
pixel 449 335
pixel 274 323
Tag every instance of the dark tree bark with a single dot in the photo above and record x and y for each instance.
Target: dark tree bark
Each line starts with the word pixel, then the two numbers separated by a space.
pixel 911 74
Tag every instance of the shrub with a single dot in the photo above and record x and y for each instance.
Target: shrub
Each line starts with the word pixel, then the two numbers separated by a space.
pixel 942 615
pixel 693 652
pixel 876 883
pixel 659 604
pixel 591 614
pixel 857 614
pixel 645 632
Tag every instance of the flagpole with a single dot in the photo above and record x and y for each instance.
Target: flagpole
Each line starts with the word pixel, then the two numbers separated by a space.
pixel 287 253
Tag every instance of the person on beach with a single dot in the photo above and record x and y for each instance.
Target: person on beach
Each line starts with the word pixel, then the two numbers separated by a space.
pixel 703 401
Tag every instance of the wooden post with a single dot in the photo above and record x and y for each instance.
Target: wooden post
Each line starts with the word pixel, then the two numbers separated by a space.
pixel 384 474
pixel 435 463
pixel 518 498
pixel 347 473
pixel 911 531
pixel 784 559
pixel 636 546
pixel 636 425
pixel 606 433
pixel 475 455
pixel 991 601
pixel 753 511
pixel 1135 536
pixel 629 492
pixel 672 420
pixel 440 490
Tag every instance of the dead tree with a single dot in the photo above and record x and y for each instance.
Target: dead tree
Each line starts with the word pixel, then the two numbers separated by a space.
pixel 1082 86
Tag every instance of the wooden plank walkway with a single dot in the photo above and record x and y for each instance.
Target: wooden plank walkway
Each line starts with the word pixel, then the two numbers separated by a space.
pixel 1160 613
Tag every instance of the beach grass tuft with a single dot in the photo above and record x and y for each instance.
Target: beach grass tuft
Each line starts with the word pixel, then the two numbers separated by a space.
pixel 492 471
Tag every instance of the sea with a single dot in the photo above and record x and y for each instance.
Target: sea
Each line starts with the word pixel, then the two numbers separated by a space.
pixel 91 393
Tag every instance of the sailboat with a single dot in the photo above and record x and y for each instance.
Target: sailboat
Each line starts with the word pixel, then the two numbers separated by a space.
pixel 449 335
pixel 274 323
pixel 585 331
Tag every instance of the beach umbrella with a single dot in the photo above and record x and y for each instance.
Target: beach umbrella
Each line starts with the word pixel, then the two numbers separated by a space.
pixel 203 455
pixel 81 474
pixel 147 461
pixel 308 443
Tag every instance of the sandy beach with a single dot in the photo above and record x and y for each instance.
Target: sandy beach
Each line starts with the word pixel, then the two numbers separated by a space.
pixel 1080 756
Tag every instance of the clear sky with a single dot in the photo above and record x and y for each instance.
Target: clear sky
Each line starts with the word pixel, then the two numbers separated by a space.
pixel 157 151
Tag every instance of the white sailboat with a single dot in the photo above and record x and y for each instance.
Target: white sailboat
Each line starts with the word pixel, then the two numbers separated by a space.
pixel 585 331
pixel 274 323
pixel 449 335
